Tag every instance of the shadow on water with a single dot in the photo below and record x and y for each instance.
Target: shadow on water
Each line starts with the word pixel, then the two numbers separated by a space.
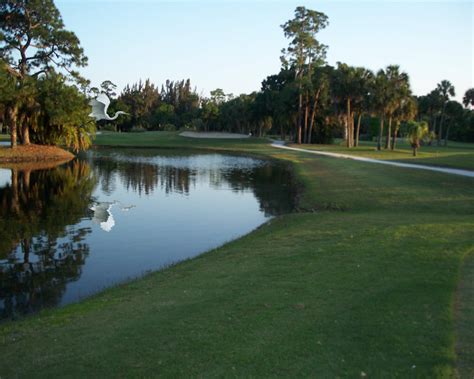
pixel 64 232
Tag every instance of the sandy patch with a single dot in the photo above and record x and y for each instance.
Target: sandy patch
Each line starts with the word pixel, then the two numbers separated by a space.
pixel 215 135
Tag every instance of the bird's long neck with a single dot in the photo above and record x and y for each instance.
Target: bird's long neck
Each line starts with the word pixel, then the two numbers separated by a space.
pixel 115 115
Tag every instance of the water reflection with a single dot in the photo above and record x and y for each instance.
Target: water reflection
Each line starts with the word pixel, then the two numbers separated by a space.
pixel 73 230
pixel 40 249
pixel 171 173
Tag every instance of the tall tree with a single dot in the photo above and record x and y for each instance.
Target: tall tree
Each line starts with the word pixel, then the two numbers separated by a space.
pixel 345 87
pixel 381 99
pixel 468 98
pixel 397 90
pixel 446 91
pixel 454 115
pixel 406 111
pixel 33 40
pixel 363 96
pixel 63 117
pixel 304 51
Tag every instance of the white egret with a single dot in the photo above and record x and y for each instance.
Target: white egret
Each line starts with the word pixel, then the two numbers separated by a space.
pixel 99 108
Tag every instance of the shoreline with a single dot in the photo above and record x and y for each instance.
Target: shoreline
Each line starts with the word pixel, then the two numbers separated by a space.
pixel 33 154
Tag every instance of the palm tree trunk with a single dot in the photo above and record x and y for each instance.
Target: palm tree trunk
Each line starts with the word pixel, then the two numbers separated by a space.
pixel 440 128
pixel 395 134
pixel 359 117
pixel 379 138
pixel 348 123
pixel 446 136
pixel 389 133
pixel 434 126
pixel 352 128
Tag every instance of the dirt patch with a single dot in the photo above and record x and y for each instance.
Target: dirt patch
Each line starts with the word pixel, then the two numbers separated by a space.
pixel 33 153
pixel 214 135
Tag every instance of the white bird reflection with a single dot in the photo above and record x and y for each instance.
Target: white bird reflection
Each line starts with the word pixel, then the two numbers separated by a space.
pixel 103 214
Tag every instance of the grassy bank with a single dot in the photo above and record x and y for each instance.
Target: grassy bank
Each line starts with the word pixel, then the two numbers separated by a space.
pixel 362 282
pixel 33 153
pixel 455 155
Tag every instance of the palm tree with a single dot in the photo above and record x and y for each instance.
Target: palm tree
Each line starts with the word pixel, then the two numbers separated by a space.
pixel 406 111
pixel 381 96
pixel 417 131
pixel 398 87
pixel 363 99
pixel 344 88
pixel 468 98
pixel 454 113
pixel 352 87
pixel 446 90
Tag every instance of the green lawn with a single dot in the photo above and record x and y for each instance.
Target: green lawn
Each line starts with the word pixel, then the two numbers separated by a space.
pixel 455 155
pixel 362 281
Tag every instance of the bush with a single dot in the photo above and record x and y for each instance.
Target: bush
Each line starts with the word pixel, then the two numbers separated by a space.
pixel 169 128
pixel 137 129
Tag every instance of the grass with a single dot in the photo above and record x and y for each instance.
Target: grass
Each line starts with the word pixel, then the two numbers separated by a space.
pixel 362 281
pixel 455 155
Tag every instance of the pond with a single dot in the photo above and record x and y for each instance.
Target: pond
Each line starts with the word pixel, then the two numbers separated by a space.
pixel 116 214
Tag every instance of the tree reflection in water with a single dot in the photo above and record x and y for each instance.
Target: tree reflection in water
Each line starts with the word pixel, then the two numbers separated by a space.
pixel 179 174
pixel 40 248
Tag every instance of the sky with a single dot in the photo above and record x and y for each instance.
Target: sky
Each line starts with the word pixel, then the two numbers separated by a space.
pixel 234 45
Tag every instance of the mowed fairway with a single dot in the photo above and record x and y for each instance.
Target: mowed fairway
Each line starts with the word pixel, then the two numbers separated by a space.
pixel 362 281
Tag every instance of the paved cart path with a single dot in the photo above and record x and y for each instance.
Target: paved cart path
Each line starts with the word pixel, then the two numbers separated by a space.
pixel 454 171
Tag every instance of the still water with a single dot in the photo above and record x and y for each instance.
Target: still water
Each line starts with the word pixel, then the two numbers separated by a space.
pixel 113 215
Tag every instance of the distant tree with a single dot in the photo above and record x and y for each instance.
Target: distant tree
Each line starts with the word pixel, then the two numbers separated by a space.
pixel 454 116
pixel 280 90
pixel 108 88
pixel 468 99
pixel 304 52
pixel 405 111
pixel 417 131
pixel 398 90
pixel 381 101
pixel 446 91
pixel 209 113
pixel 218 96
pixel 344 84
pixel 363 97
pixel 319 94
pixel 63 117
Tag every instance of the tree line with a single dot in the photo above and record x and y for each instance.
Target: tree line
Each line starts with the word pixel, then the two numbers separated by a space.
pixel 308 101
pixel 44 100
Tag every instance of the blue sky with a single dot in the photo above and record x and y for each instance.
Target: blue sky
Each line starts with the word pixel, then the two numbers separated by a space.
pixel 234 45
